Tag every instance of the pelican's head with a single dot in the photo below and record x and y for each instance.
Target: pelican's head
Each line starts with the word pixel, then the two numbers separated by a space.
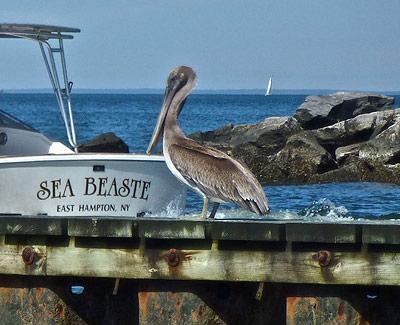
pixel 180 82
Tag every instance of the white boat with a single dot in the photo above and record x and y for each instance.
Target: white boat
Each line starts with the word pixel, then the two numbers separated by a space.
pixel 269 87
pixel 42 177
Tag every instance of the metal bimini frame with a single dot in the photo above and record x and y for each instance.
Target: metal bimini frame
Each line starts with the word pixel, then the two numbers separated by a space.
pixel 43 34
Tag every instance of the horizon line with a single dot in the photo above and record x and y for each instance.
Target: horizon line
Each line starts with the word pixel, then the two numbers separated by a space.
pixel 205 90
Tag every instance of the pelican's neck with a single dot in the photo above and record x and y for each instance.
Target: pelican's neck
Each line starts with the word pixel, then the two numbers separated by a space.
pixel 172 131
pixel 171 127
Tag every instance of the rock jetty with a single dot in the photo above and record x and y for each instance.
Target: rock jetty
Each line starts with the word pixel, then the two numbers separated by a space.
pixel 335 138
pixel 105 142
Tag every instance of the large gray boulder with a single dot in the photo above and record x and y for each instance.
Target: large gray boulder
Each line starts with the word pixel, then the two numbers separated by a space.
pixel 385 147
pixel 263 139
pixel 220 138
pixel 271 132
pixel 106 142
pixel 269 135
pixel 320 111
pixel 355 130
pixel 301 158
pixel 351 151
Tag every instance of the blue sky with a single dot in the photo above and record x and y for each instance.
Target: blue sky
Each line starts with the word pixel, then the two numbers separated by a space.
pixel 231 44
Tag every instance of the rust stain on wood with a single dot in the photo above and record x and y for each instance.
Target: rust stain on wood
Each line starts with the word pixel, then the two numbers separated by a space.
pixel 291 303
pixel 143 303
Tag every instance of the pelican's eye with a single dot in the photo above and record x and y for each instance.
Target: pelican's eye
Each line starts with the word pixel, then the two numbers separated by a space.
pixel 172 82
pixel 177 81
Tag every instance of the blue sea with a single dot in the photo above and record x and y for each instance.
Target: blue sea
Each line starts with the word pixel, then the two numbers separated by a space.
pixel 132 117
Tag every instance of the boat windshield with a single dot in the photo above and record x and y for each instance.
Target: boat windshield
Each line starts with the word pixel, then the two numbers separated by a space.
pixel 8 121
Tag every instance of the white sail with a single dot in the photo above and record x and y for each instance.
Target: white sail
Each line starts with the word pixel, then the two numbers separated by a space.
pixel 268 92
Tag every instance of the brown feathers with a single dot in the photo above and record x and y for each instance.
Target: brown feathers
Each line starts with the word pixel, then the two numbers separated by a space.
pixel 217 175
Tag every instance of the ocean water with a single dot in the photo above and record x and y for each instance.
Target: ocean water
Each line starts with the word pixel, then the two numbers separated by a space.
pixel 132 117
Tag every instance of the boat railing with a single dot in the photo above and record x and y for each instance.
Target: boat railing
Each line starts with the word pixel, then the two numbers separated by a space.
pixel 63 95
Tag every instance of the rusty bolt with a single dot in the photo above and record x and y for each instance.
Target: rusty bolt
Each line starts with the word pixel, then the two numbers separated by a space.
pixel 58 309
pixel 28 255
pixel 173 257
pixel 323 257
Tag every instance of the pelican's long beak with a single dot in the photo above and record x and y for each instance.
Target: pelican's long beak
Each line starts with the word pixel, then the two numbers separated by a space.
pixel 159 128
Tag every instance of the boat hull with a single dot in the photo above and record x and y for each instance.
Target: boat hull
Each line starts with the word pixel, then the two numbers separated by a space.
pixel 98 185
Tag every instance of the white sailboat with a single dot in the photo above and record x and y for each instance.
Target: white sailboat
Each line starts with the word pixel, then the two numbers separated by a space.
pixel 269 87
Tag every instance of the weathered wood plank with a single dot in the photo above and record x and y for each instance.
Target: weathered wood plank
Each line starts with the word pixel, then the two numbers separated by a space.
pixel 322 232
pixel 381 234
pixel 171 228
pixel 32 226
pixel 262 266
pixel 368 232
pixel 97 227
pixel 246 230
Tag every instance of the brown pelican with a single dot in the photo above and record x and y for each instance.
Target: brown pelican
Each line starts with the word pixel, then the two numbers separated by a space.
pixel 210 172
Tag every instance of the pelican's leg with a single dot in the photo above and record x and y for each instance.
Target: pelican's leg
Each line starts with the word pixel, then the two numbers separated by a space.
pixel 205 208
pixel 214 210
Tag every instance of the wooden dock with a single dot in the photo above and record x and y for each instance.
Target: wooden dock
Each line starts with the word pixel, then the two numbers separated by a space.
pixel 269 262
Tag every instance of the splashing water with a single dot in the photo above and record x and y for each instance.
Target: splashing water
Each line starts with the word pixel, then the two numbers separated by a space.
pixel 174 209
pixel 320 210
pixel 324 209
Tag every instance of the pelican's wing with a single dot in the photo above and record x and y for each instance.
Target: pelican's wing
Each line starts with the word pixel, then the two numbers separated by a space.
pixel 218 176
